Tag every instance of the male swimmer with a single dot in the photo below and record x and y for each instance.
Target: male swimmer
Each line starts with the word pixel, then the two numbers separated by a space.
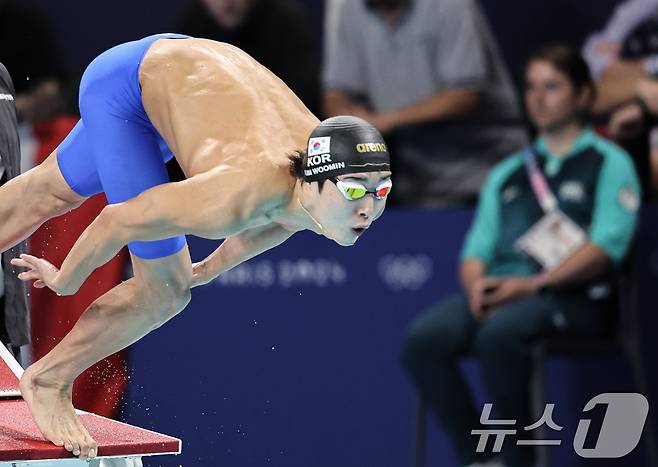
pixel 239 135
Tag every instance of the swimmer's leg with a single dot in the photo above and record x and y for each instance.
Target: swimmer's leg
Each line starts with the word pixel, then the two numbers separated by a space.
pixel 158 291
pixel 32 198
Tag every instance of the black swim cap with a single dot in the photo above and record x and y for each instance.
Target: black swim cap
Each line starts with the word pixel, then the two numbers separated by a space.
pixel 342 145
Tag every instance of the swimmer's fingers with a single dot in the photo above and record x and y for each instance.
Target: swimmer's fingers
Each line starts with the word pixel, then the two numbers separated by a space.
pixel 40 270
pixel 29 275
pixel 21 263
pixel 32 274
pixel 39 263
pixel 32 260
pixel 26 261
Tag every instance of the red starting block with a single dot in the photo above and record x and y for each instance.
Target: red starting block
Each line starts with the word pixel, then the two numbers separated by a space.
pixel 22 445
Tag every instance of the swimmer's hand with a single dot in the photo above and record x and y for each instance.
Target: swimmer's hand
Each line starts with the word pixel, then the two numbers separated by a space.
pixel 199 274
pixel 42 272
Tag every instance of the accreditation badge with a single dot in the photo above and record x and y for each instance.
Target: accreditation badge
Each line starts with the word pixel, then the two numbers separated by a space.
pixel 552 240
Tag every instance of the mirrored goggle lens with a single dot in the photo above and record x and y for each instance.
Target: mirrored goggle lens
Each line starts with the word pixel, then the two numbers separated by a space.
pixel 383 191
pixel 354 192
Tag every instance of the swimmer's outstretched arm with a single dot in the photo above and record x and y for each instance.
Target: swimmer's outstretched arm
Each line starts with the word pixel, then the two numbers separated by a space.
pixel 195 206
pixel 238 249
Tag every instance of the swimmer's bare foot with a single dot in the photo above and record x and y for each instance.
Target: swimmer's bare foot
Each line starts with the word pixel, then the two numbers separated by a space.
pixel 50 403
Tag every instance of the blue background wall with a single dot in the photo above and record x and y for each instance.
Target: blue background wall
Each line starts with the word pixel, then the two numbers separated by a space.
pixel 293 358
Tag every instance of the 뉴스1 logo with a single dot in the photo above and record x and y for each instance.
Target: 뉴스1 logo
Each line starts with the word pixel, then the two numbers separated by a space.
pixel 371 147
pixel 618 435
pixel 320 145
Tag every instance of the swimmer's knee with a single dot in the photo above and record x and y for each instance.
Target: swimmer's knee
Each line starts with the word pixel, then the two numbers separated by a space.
pixel 171 302
pixel 166 283
pixel 183 298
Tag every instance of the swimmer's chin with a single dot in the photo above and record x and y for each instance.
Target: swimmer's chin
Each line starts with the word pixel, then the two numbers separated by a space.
pixel 341 242
pixel 347 243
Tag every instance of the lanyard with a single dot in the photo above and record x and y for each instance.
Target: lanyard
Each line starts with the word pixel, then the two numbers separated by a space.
pixel 540 187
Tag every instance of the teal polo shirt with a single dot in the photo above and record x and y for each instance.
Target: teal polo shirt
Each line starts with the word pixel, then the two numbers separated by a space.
pixel 595 184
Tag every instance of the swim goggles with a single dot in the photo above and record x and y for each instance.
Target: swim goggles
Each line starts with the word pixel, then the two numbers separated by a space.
pixel 354 190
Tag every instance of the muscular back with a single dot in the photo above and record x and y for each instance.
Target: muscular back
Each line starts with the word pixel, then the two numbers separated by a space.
pixel 216 106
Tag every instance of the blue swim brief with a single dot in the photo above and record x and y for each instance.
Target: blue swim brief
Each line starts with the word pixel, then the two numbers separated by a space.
pixel 114 148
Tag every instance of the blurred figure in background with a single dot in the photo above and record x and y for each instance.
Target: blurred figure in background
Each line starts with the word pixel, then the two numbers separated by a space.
pixel 427 74
pixel 623 57
pixel 536 262
pixel 28 50
pixel 14 321
pixel 276 33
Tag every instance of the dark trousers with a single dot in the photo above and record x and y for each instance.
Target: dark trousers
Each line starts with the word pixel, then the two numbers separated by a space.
pixel 501 342
pixel 4 336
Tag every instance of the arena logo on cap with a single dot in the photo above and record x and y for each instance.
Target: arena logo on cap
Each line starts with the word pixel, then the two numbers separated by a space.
pixel 319 145
pixel 371 147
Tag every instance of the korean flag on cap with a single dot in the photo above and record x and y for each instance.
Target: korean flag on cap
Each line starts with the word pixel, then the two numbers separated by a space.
pixel 320 145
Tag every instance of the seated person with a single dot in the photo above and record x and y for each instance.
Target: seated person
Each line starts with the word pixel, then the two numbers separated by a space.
pixel 553 222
